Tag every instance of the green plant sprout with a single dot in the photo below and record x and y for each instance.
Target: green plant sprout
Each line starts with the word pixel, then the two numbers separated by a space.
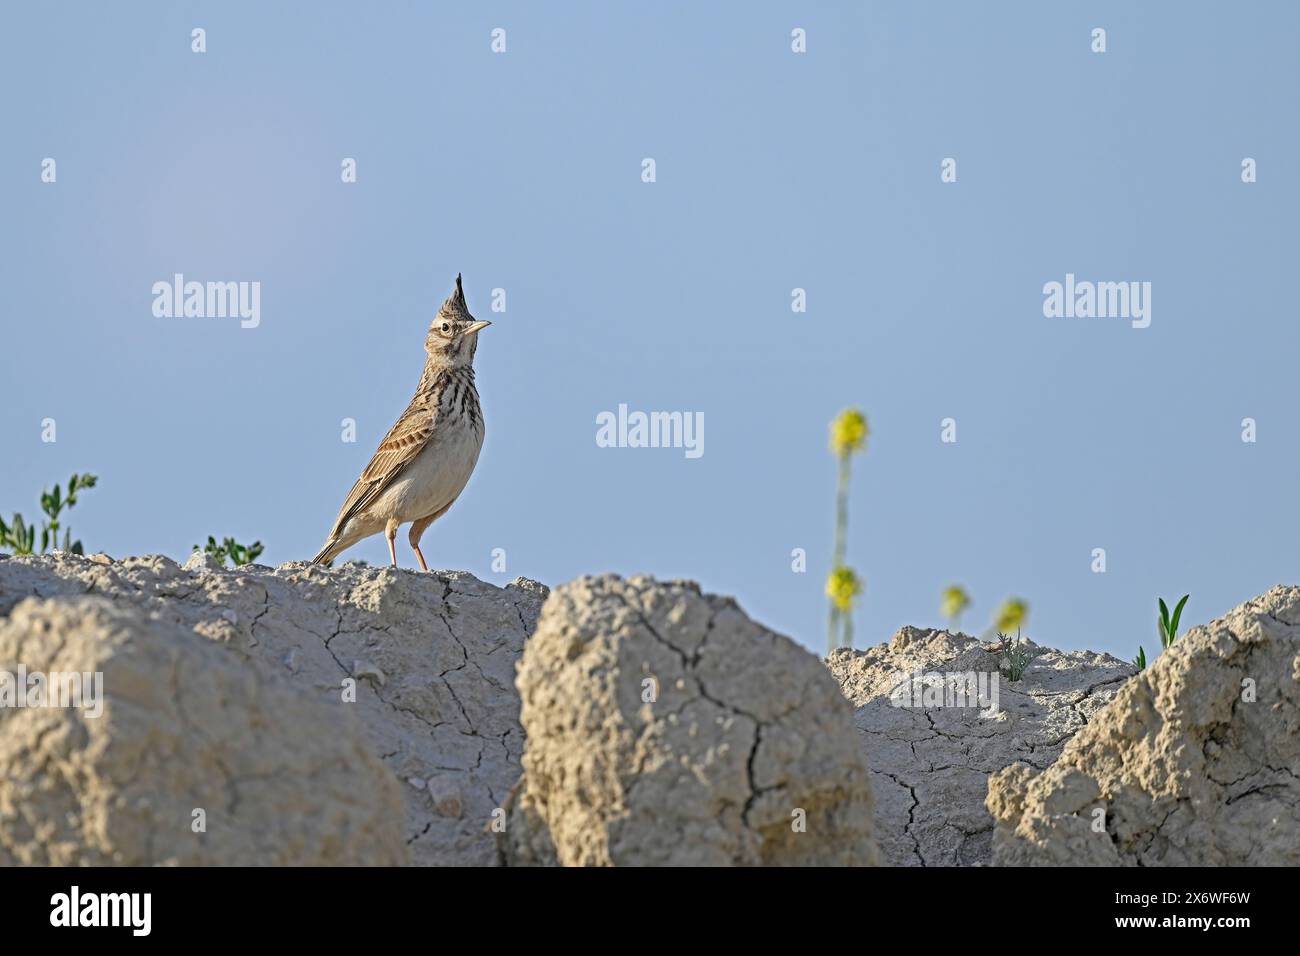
pixel 1016 655
pixel 230 548
pixel 21 537
pixel 848 437
pixel 1011 616
pixel 955 600
pixel 1168 625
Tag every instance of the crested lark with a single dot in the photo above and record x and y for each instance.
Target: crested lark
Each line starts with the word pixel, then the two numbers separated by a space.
pixel 425 460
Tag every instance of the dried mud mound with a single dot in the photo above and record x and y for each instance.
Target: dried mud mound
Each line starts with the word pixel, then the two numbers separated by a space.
pixel 930 762
pixel 1195 762
pixel 664 727
pixel 427 661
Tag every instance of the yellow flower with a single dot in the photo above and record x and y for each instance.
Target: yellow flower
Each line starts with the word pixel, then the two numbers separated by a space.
pixel 955 600
pixel 849 432
pixel 1011 616
pixel 842 587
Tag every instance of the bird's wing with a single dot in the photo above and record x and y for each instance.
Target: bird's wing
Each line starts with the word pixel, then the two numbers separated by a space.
pixel 404 441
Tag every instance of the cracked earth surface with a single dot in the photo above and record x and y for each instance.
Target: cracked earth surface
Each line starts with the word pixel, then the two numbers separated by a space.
pixel 930 765
pixel 666 727
pixel 193 759
pixel 1195 762
pixel 432 657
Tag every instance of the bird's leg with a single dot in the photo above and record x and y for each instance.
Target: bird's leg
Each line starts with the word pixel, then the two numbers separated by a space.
pixel 390 533
pixel 417 529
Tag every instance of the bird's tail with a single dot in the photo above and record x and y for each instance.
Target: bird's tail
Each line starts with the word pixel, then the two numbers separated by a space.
pixel 328 553
pixel 343 536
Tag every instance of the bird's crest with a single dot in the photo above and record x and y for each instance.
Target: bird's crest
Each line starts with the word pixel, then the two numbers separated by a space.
pixel 455 307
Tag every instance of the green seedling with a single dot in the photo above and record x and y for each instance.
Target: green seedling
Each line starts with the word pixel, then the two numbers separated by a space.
pixel 230 548
pixel 21 537
pixel 1016 655
pixel 1168 625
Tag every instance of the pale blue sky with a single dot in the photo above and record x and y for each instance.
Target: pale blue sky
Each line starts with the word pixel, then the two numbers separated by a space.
pixel 775 171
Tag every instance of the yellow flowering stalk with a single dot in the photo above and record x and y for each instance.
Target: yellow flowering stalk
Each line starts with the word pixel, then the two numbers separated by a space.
pixel 1011 616
pixel 955 600
pixel 849 434
pixel 842 587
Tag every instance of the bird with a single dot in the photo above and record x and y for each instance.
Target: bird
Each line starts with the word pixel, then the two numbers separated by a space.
pixel 424 462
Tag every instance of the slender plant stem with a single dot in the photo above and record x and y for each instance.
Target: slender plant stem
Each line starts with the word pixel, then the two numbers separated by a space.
pixel 841 510
pixel 837 557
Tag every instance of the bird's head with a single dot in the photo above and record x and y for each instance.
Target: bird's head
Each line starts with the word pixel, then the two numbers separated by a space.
pixel 453 336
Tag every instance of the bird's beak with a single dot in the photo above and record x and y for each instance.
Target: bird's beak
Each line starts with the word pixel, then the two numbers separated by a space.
pixel 477 326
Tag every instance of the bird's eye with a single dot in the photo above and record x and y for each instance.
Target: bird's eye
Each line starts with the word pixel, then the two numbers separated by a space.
pixel 446 328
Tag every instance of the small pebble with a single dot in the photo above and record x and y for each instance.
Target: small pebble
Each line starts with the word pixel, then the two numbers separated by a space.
pixel 364 670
